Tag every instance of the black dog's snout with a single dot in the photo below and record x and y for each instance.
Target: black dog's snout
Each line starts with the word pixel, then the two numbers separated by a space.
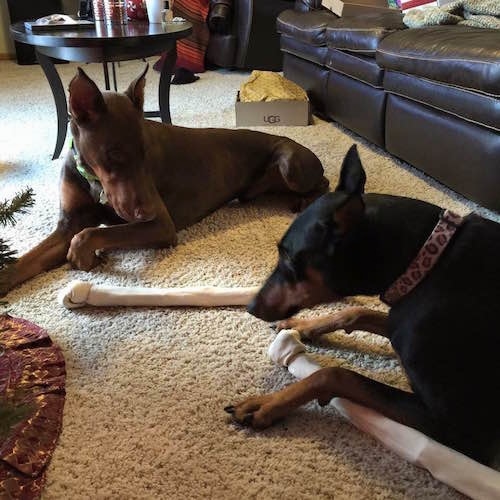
pixel 261 310
pixel 257 308
pixel 252 307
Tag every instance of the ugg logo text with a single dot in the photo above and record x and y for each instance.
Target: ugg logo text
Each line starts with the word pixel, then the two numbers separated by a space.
pixel 272 118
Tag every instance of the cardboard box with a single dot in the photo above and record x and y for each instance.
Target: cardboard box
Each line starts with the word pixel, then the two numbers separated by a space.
pixel 356 7
pixel 272 113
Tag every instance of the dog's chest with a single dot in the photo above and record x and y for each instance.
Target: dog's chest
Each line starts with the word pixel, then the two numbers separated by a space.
pixel 97 192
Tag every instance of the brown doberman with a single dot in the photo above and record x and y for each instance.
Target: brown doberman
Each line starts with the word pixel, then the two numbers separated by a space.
pixel 146 180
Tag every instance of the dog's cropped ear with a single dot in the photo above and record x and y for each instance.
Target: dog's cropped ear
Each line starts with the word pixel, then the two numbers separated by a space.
pixel 135 91
pixel 352 175
pixel 85 99
pixel 348 214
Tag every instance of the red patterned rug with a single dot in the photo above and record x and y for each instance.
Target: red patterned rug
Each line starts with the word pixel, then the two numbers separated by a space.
pixel 32 392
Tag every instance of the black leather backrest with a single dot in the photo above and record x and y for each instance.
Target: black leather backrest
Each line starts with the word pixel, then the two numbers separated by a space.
pixel 307 5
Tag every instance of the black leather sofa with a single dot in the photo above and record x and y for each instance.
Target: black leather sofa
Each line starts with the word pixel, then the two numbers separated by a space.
pixel 430 96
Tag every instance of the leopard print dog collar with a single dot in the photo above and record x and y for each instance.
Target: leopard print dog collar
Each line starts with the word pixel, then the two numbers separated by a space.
pixel 426 258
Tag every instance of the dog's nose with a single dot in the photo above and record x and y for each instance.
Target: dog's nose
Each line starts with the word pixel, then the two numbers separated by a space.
pixel 257 308
pixel 262 310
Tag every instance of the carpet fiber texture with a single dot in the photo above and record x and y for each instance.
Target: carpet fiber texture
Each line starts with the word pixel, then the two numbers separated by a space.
pixel 146 387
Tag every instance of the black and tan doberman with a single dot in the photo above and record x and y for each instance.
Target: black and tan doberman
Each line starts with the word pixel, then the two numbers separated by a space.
pixel 439 272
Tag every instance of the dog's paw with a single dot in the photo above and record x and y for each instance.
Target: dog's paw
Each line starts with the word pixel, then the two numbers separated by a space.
pixel 81 255
pixel 258 412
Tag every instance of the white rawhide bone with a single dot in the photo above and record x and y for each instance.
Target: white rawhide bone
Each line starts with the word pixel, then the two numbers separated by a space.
pixel 82 293
pixel 445 464
pixel 287 350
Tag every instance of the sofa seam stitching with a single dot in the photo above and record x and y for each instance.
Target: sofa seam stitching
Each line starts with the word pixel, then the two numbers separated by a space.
pixel 435 58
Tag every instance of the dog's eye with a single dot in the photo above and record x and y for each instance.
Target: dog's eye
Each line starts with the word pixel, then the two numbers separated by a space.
pixel 286 265
pixel 115 156
pixel 287 270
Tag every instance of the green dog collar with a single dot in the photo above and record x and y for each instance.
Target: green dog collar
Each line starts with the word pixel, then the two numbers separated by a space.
pixel 90 178
pixel 81 167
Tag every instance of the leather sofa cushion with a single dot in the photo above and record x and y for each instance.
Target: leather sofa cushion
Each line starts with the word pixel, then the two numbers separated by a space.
pixel 357 106
pixel 221 50
pixel 307 27
pixel 311 77
pixel 458 154
pixel 477 108
pixel 359 67
pixel 362 34
pixel 312 53
pixel 458 55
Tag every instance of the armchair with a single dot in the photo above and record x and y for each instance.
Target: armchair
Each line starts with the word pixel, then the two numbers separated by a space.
pixel 243 34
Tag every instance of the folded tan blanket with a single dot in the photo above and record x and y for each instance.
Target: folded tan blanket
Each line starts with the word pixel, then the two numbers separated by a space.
pixel 475 13
pixel 269 86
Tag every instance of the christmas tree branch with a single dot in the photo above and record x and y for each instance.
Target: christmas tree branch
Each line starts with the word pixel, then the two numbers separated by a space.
pixel 18 205
pixel 6 254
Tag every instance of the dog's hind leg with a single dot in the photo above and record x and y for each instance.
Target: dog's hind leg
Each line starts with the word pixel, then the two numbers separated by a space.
pixel 301 171
pixel 292 169
pixel 348 319
pixel 327 383
pixel 271 181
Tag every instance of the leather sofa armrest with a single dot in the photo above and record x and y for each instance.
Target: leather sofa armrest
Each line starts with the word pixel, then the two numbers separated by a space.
pixel 307 5
pixel 220 16
pixel 244 16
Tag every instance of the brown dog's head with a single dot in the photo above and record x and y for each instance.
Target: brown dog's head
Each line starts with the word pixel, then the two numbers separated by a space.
pixel 107 131
pixel 317 256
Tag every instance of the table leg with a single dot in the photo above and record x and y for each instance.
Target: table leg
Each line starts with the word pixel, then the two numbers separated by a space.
pixel 164 86
pixel 106 75
pixel 57 88
pixel 114 76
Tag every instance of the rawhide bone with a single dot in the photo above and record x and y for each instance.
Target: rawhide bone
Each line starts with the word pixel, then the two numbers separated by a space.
pixel 82 293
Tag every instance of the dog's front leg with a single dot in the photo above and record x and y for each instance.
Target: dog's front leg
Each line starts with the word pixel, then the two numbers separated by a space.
pixel 157 233
pixel 348 319
pixel 50 253
pixel 327 383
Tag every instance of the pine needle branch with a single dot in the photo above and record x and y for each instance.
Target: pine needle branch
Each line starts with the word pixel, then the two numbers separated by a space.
pixel 7 256
pixel 18 205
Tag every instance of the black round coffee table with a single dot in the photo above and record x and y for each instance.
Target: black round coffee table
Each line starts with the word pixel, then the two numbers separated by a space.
pixel 104 43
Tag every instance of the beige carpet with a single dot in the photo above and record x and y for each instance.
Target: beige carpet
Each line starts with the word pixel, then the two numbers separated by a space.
pixel 146 388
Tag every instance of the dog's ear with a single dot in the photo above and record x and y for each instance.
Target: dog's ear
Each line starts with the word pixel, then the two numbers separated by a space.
pixel 352 175
pixel 348 214
pixel 135 91
pixel 86 102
